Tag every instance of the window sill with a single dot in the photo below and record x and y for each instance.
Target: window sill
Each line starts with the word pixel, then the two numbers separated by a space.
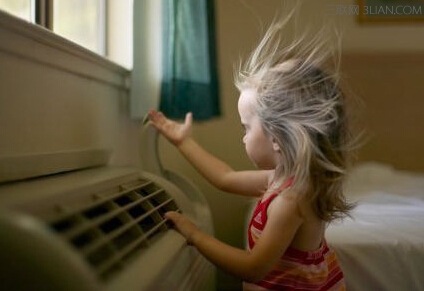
pixel 26 40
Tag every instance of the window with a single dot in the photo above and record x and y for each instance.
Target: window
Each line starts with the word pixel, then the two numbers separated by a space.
pixel 82 21
pixel 102 26
pixel 21 8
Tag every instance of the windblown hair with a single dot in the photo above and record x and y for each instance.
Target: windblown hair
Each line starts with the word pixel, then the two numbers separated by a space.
pixel 303 108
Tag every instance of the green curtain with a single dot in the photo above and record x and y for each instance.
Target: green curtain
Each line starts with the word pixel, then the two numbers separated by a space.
pixel 190 81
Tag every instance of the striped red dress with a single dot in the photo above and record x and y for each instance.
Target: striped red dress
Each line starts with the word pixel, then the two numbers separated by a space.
pixel 296 269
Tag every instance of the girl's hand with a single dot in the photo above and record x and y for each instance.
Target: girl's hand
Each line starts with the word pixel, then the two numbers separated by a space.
pixel 175 132
pixel 187 228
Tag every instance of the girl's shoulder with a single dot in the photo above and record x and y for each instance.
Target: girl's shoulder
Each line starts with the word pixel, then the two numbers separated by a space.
pixel 290 200
pixel 285 201
pixel 287 206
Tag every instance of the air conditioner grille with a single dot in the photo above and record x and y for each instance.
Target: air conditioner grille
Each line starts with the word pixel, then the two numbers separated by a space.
pixel 114 224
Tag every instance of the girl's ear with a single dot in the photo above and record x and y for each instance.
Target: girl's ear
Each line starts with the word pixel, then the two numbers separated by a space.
pixel 275 145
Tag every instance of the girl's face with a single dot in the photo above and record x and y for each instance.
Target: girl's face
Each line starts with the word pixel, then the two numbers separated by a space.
pixel 259 146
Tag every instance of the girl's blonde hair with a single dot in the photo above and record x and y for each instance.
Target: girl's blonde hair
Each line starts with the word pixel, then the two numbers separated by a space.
pixel 302 107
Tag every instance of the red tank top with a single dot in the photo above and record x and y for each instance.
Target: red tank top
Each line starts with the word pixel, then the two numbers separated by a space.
pixel 260 216
pixel 296 269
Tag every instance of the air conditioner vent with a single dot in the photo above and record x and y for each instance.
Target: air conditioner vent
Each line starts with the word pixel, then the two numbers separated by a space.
pixel 114 224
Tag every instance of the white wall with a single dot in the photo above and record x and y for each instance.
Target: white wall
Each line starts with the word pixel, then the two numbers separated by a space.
pixel 56 97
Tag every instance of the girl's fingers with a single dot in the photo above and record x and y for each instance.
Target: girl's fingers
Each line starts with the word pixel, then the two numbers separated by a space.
pixel 158 118
pixel 188 119
pixel 155 115
pixel 172 215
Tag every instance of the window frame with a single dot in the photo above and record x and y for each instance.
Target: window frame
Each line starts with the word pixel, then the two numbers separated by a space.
pixel 114 40
pixel 43 13
pixel 44 16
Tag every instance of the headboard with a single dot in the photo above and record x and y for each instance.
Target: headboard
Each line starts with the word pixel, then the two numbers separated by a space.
pixel 391 87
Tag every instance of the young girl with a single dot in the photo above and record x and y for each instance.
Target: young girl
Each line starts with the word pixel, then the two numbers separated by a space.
pixel 293 114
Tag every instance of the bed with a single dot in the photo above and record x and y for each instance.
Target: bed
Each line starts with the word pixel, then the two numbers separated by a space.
pixel 381 247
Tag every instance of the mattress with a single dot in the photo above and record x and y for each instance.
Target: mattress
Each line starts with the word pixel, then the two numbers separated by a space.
pixel 381 247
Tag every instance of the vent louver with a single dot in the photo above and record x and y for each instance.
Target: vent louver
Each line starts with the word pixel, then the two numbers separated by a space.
pixel 113 225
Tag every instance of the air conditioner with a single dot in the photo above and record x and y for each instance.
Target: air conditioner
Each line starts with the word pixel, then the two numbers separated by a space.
pixel 102 228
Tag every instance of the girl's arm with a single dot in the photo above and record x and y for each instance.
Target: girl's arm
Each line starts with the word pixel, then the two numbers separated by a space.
pixel 221 175
pixel 283 222
pixel 218 173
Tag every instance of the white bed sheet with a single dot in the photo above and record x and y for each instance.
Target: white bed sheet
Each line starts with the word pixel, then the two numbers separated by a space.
pixel 382 246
